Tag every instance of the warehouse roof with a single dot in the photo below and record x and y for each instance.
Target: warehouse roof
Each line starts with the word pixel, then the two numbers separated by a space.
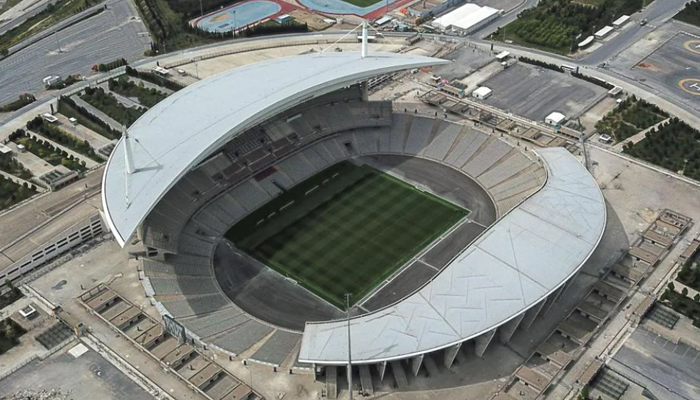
pixel 524 257
pixel 556 118
pixel 181 131
pixel 482 91
pixel 465 17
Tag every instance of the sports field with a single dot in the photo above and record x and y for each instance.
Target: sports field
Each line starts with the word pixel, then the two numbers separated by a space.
pixel 362 3
pixel 344 230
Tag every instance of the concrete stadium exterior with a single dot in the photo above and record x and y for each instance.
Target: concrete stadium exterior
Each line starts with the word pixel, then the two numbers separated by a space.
pixel 515 268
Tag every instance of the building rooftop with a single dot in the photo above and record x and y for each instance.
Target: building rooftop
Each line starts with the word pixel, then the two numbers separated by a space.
pixel 465 17
pixel 481 91
pixel 184 129
pixel 556 117
pixel 525 256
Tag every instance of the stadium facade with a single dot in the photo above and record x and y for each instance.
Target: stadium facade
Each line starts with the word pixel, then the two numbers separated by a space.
pixel 184 175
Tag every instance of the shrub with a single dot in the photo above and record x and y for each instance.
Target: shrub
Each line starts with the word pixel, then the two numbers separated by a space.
pixel 24 99
pixel 542 64
pixel 110 66
pixel 593 80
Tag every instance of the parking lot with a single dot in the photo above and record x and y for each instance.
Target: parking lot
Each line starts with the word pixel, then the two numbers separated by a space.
pixel 675 67
pixel 668 370
pixel 85 377
pixel 115 33
pixel 465 60
pixel 516 88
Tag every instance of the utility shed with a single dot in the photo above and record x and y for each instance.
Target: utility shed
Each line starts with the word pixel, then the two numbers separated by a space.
pixel 621 21
pixel 482 93
pixel 555 118
pixel 603 32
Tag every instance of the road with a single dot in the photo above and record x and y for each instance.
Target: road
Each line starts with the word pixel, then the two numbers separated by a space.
pixel 103 38
pixel 32 11
pixel 657 13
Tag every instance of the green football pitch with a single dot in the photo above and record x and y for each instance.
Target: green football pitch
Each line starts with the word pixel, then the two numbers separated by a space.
pixel 344 230
pixel 362 3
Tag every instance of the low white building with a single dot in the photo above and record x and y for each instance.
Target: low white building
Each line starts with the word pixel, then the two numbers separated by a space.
pixel 466 19
pixel 502 56
pixel 5 151
pixel 555 118
pixel 603 32
pixel 482 93
pixel 586 42
pixel 621 21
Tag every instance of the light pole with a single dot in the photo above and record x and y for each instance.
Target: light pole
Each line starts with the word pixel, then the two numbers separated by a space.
pixel 235 24
pixel 347 310
pixel 201 9
pixel 55 33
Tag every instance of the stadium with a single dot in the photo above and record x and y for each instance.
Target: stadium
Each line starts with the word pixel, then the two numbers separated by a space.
pixel 265 194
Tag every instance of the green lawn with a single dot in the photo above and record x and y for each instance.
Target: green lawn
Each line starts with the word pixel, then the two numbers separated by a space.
pixel 344 230
pixel 362 3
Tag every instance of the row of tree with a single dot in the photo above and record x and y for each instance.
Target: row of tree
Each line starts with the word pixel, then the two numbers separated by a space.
pixel 24 99
pixel 109 105
pixel 675 145
pixel 120 62
pixel 691 13
pixel 154 78
pixel 553 67
pixel 61 137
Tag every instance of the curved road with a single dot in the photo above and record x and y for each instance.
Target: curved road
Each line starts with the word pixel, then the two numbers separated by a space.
pixel 657 13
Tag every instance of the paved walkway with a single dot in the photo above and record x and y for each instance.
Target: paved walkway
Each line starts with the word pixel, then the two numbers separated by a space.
pixel 150 85
pixel 21 121
pixel 678 287
pixel 637 137
pixel 130 354
pixel 33 163
pixel 95 139
pixel 126 101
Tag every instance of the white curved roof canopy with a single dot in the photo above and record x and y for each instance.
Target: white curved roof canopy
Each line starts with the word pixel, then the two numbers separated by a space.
pixel 521 259
pixel 188 126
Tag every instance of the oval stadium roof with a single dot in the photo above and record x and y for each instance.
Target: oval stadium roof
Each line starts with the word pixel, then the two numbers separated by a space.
pixel 181 131
pixel 524 257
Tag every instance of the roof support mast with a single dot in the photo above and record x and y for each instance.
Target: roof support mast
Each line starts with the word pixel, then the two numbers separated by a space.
pixel 128 156
pixel 129 162
pixel 364 38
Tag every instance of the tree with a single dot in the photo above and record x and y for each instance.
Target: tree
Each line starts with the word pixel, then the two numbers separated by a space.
pixel 684 292
pixel 583 394
pixel 10 330
pixel 697 297
pixel 671 286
